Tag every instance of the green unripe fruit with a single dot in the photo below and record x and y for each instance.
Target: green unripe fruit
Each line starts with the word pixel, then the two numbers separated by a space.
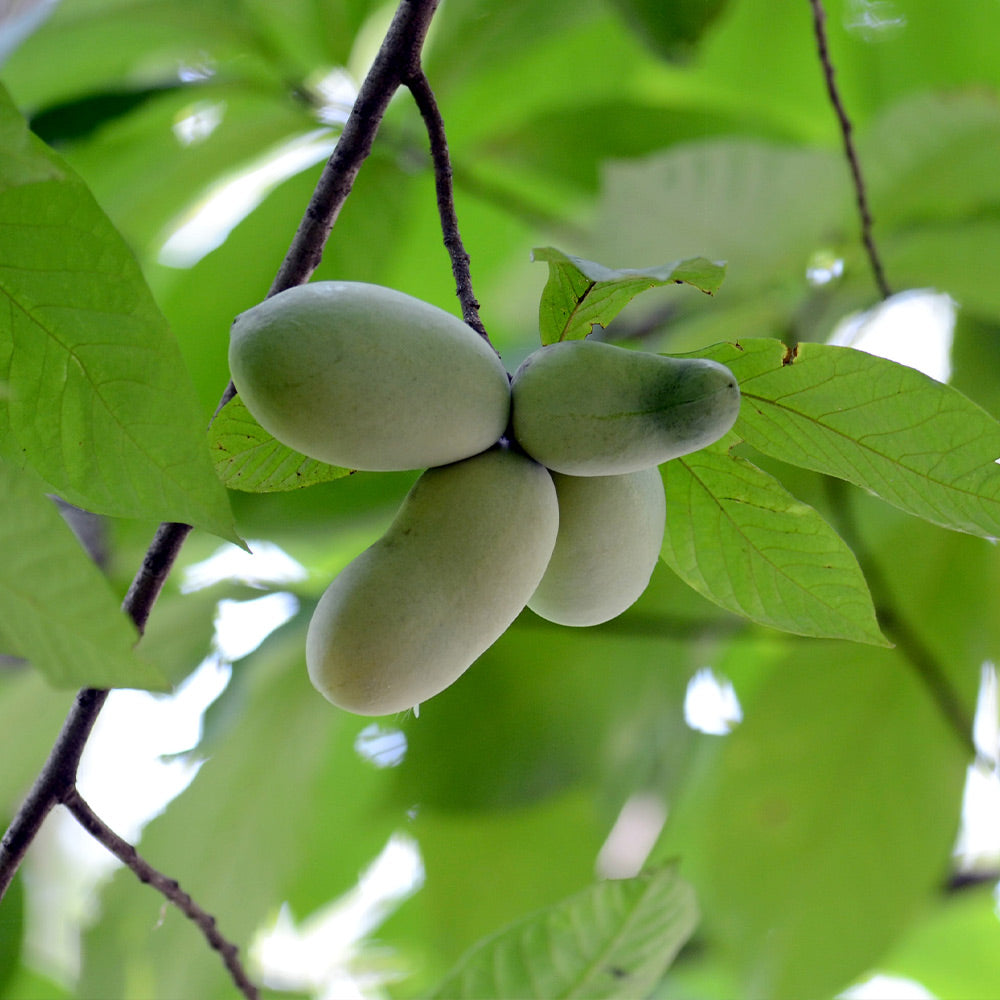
pixel 409 615
pixel 585 408
pixel 610 533
pixel 366 377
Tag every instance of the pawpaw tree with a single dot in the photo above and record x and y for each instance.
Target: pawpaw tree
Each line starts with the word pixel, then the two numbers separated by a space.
pixel 772 775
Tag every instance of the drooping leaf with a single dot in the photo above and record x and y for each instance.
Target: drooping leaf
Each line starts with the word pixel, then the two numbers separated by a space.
pixel 580 294
pixel 613 940
pixel 737 536
pixel 96 398
pixel 56 608
pixel 917 443
pixel 248 458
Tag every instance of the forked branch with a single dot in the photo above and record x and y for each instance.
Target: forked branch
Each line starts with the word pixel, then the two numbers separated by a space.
pixel 56 783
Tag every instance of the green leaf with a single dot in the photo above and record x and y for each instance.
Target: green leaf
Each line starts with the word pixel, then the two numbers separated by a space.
pixel 248 458
pixel 671 29
pixel 918 444
pixel 55 606
pixel 580 294
pixel 13 932
pixel 820 826
pixel 737 536
pixel 614 939
pixel 97 396
pixel 953 951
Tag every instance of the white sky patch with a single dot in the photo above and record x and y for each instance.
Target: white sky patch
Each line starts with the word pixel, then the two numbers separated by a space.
pixel 874 19
pixel 241 626
pixel 915 328
pixel 824 267
pixel 265 565
pixel 337 91
pixel 381 746
pixel 881 987
pixel 978 844
pixel 196 72
pixel 986 725
pixel 18 19
pixel 198 121
pixel 632 837
pixel 711 705
pixel 320 954
pixel 226 204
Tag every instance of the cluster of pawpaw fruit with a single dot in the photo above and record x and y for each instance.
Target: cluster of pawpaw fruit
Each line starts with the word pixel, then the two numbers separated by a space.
pixel 540 491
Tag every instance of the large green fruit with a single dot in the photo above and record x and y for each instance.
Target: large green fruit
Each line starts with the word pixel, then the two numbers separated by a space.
pixel 610 533
pixel 590 409
pixel 366 377
pixel 457 565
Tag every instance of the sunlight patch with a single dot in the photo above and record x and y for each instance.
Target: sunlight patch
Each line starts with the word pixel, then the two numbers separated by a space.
pixel 267 564
pixel 324 954
pixel 380 745
pixel 711 705
pixel 241 626
pixel 196 122
pixel 881 987
pixel 913 328
pixel 206 225
pixel 632 837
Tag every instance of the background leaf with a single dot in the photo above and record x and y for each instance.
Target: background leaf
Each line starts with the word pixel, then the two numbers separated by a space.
pixel 96 393
pixel 736 535
pixel 838 837
pixel 613 940
pixel 671 30
pixel 67 623
pixel 581 295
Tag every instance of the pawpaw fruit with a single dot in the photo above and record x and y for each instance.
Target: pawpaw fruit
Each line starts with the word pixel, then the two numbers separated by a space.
pixel 366 377
pixel 408 616
pixel 586 408
pixel 610 533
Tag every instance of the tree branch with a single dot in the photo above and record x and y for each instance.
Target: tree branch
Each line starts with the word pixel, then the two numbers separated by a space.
pixel 423 95
pixel 399 53
pixel 145 872
pixel 846 131
pixel 57 778
pixel 56 783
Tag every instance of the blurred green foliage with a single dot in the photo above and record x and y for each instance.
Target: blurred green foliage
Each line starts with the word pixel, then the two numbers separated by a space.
pixel 817 836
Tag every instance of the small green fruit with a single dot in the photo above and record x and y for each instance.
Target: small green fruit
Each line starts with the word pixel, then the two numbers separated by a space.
pixel 366 377
pixel 409 615
pixel 585 408
pixel 610 533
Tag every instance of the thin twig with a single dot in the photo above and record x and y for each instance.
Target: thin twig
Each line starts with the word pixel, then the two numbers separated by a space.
pixel 423 95
pixel 145 872
pixel 846 131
